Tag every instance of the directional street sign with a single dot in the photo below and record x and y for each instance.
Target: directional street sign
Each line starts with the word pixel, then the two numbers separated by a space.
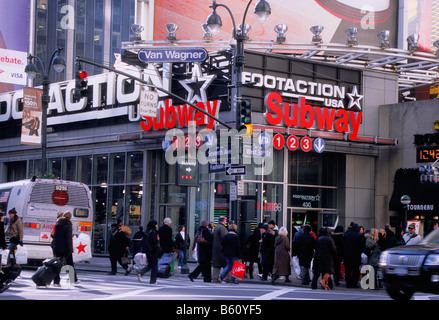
pixel 319 145
pixel 235 171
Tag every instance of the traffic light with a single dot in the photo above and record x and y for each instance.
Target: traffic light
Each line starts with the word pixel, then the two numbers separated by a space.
pixel 245 106
pixel 81 84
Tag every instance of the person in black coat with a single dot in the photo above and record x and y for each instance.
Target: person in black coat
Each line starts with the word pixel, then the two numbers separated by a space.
pixel 304 249
pixel 252 251
pixel 165 235
pixel 325 254
pixel 338 235
pixel 204 251
pixel 267 251
pixel 62 243
pixel 118 247
pixel 353 245
pixel 150 246
pixel 232 251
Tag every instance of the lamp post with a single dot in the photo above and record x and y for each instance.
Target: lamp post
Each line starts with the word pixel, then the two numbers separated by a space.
pixel 405 201
pixel 240 34
pixel 58 62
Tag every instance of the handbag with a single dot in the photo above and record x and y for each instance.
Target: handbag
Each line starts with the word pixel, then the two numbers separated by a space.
pixel 238 270
pixel 126 259
pixel 202 240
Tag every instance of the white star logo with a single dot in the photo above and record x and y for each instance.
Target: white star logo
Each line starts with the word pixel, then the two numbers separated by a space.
pixel 200 82
pixel 355 99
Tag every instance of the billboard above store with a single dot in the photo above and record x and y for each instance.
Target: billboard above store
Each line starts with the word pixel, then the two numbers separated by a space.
pixel 368 16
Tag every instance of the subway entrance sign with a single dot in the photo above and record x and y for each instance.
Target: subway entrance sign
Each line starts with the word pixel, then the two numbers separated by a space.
pixel 187 174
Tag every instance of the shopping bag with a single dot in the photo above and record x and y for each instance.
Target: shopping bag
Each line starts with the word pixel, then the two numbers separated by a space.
pixel 81 248
pixel 238 270
pixel 21 255
pixel 5 254
pixel 140 259
pixel 195 253
pixel 296 265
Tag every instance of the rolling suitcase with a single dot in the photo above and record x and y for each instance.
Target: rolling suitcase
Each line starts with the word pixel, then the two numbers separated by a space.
pixel 46 273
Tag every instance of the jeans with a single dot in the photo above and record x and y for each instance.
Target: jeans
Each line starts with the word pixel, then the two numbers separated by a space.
pixel 228 268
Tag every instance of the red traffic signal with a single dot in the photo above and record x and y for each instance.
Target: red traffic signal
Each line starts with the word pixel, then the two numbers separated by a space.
pixel 82 74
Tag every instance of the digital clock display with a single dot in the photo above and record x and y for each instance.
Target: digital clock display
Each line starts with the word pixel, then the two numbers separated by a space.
pixel 427 154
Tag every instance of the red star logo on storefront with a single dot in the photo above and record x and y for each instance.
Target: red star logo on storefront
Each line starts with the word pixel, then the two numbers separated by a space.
pixel 81 247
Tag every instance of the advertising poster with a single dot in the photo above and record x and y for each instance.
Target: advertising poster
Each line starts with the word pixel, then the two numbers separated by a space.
pixel 423 19
pixel 32 114
pixel 370 17
pixel 13 44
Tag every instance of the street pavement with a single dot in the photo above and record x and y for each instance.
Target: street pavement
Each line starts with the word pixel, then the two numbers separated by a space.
pixel 102 264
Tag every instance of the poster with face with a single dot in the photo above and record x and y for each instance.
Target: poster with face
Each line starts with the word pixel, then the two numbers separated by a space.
pixel 370 17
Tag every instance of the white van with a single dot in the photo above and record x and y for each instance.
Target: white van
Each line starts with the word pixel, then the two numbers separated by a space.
pixel 38 202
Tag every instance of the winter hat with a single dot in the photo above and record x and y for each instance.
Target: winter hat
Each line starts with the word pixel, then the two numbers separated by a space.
pixel 13 211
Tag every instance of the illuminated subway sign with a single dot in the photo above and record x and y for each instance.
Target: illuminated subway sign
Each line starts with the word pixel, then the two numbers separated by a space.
pixel 303 115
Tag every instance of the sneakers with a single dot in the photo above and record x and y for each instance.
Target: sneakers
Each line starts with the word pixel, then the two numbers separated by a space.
pixel 127 271
pixel 139 277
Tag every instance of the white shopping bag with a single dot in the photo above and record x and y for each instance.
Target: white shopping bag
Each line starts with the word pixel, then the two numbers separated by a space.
pixel 81 248
pixel 21 255
pixel 140 259
pixel 5 254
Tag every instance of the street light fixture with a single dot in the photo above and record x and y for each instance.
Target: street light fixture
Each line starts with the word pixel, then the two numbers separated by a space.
pixel 240 34
pixel 281 29
pixel 58 63
pixel 405 201
pixel 316 31
pixel 352 39
pixel 384 36
pixel 413 43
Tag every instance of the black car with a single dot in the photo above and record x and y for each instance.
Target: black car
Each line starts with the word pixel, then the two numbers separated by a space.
pixel 407 269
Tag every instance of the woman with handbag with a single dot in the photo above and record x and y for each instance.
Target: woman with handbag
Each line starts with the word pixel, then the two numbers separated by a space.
pixel 62 243
pixel 203 241
pixel 118 249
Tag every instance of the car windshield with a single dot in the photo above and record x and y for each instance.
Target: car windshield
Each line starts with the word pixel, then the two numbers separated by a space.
pixel 432 238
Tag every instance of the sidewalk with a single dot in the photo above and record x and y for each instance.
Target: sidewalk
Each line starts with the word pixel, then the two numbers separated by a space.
pixel 102 264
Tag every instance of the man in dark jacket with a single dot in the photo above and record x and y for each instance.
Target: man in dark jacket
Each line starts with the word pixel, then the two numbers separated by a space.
pixel 304 249
pixel 218 259
pixel 353 246
pixel 118 247
pixel 232 251
pixel 165 235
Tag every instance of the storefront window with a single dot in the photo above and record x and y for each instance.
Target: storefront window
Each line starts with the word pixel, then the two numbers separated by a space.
pixel 272 205
pixel 133 206
pixel 274 167
pixel 54 167
pixel 69 168
pixel 313 169
pixel 100 223
pixel 100 169
pixel 116 201
pixel 135 167
pixel 84 169
pixel 117 168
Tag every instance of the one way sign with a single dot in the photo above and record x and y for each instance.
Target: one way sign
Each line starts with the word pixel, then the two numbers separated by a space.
pixel 235 171
pixel 319 145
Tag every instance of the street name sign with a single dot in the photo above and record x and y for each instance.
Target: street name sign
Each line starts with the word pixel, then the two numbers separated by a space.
pixel 161 55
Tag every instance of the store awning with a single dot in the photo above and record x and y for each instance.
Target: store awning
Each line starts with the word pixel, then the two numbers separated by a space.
pixel 424 196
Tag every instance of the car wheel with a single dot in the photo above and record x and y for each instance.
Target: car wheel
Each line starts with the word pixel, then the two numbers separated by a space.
pixel 400 294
